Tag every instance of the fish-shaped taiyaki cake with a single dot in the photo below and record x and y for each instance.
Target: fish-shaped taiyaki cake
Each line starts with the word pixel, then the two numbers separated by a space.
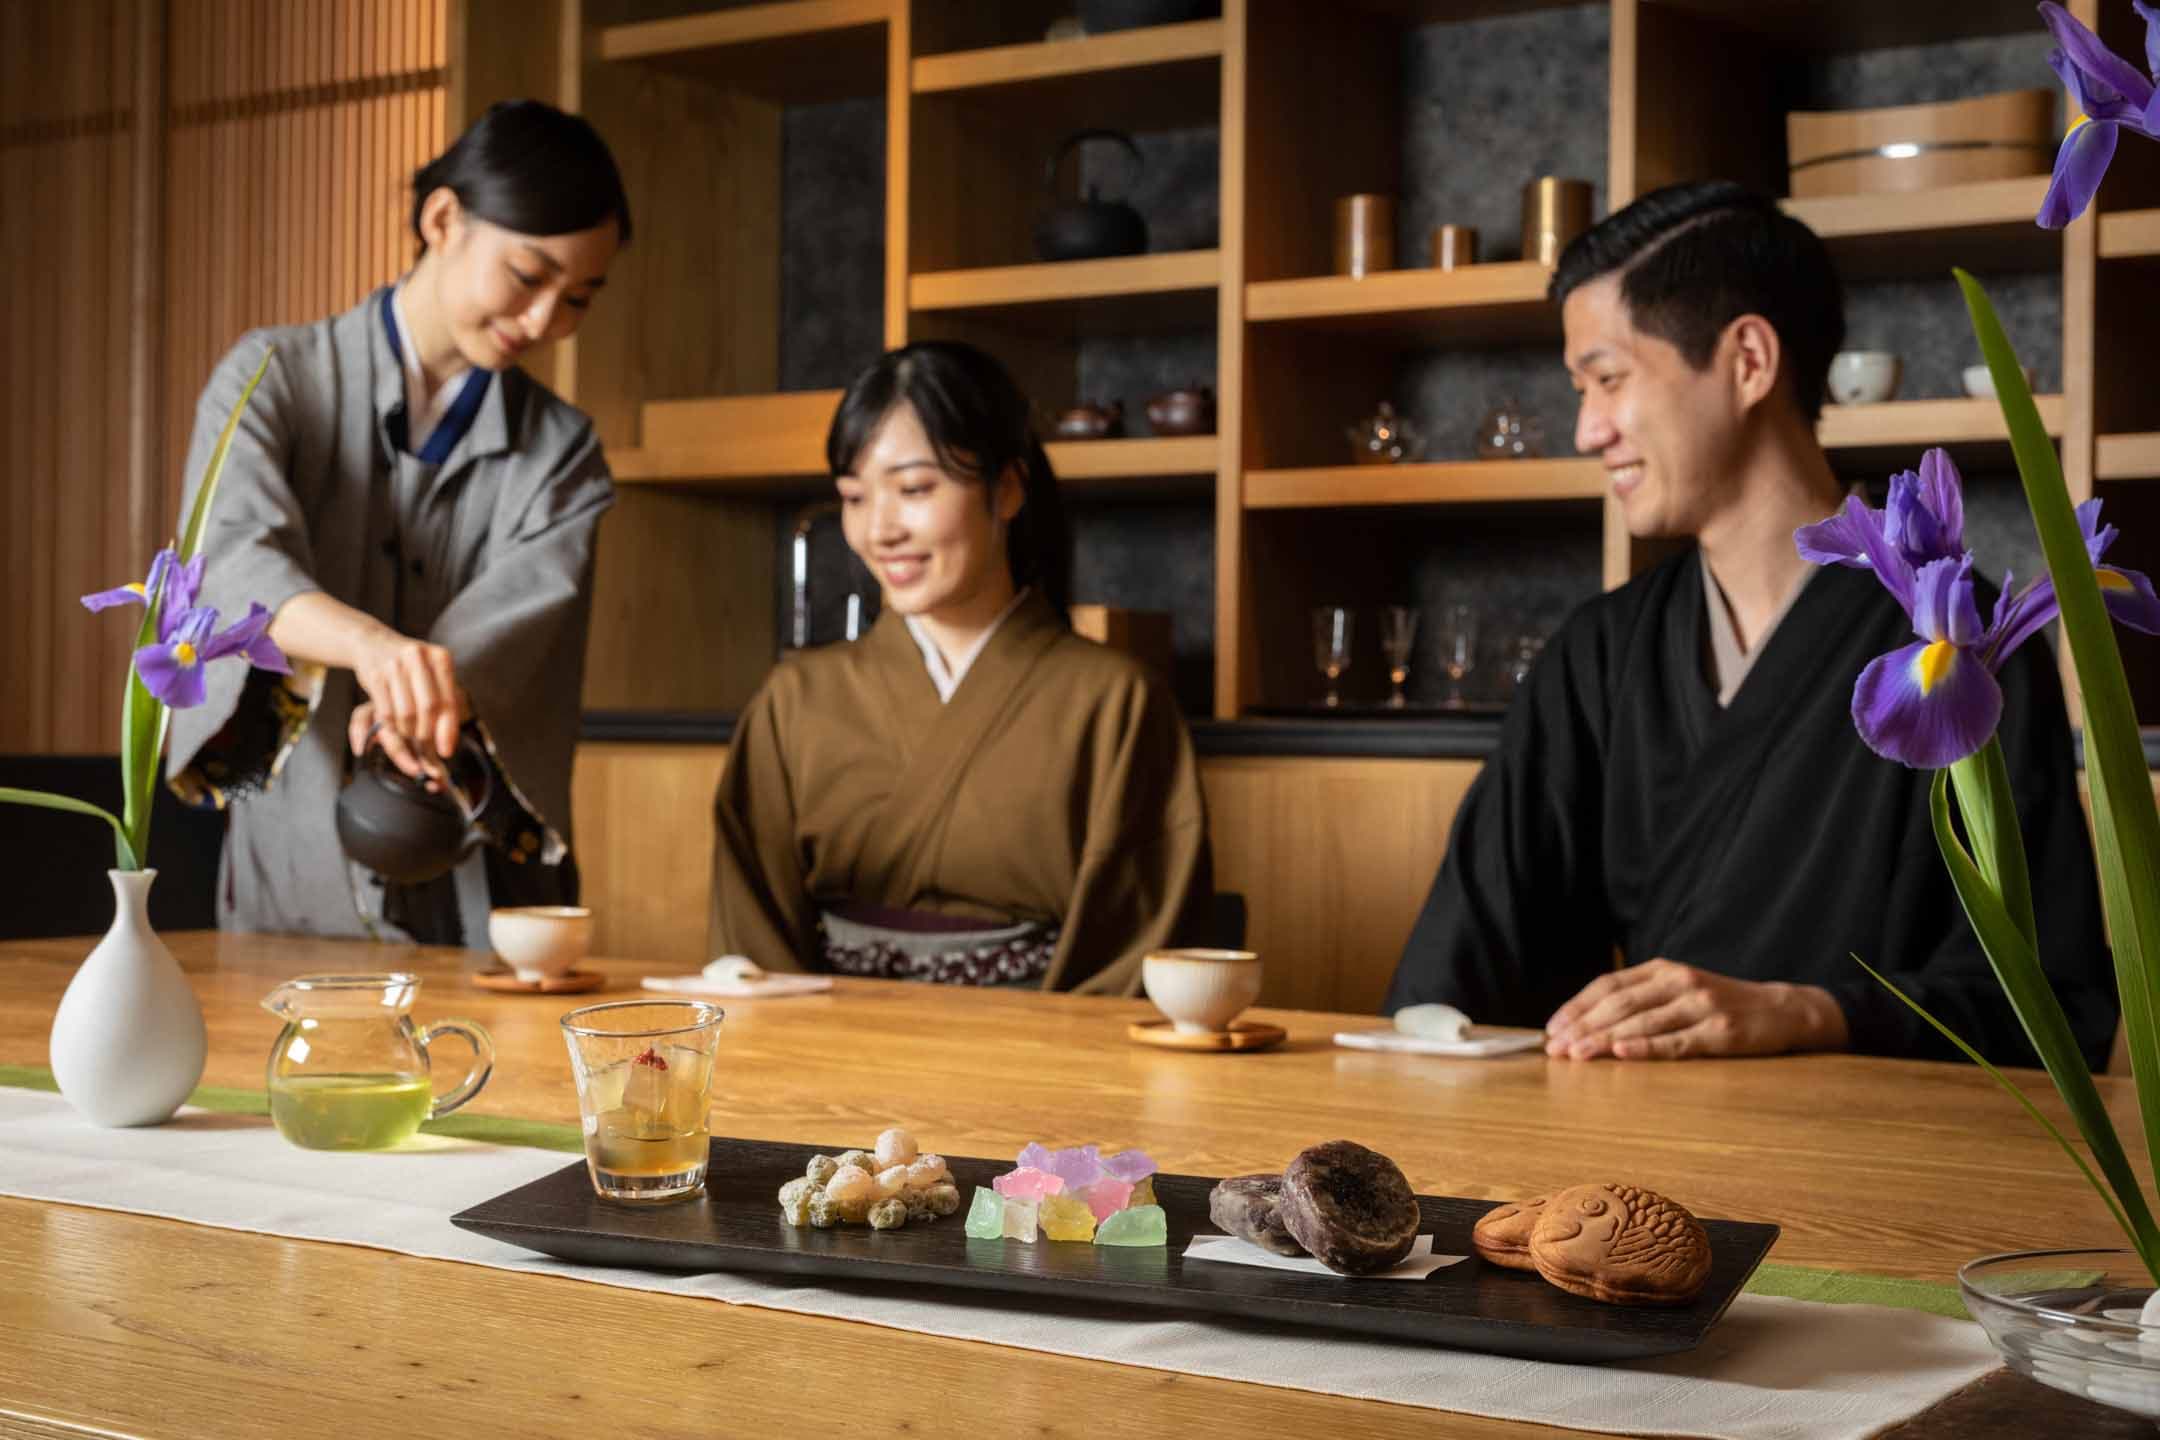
pixel 1621 1244
pixel 1502 1235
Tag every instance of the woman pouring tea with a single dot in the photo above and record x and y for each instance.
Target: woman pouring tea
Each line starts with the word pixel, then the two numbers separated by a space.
pixel 420 516
pixel 970 794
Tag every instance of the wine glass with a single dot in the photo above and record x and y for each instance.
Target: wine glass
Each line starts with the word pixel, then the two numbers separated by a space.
pixel 1331 630
pixel 1398 630
pixel 1458 647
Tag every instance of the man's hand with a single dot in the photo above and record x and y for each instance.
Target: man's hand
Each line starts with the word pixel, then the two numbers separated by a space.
pixel 1663 1010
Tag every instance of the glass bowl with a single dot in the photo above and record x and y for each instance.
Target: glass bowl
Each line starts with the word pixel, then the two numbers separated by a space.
pixel 2069 1319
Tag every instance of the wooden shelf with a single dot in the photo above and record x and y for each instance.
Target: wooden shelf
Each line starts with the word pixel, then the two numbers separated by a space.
pixel 2130 234
pixel 1131 293
pixel 2127 457
pixel 1158 78
pixel 1454 482
pixel 1502 302
pixel 1145 458
pixel 1900 429
pixel 802 52
pixel 749 438
pixel 1839 26
pixel 1985 225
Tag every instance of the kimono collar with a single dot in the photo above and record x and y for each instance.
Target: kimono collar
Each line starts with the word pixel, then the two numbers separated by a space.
pixel 948 678
pixel 478 409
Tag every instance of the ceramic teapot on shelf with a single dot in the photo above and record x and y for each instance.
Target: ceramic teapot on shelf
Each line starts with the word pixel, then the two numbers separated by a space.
pixel 1087 421
pixel 1189 411
pixel 405 832
pixel 1090 228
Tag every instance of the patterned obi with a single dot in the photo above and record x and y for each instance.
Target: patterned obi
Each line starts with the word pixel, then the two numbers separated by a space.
pixel 885 944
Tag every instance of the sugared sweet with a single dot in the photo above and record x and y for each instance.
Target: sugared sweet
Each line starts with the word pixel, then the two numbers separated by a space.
pixel 1107 1196
pixel 895 1147
pixel 1028 1184
pixel 1144 1192
pixel 1067 1217
pixel 1131 1166
pixel 1079 1167
pixel 1139 1225
pixel 1034 1156
pixel 853 1188
pixel 1020 1220
pixel 986 1215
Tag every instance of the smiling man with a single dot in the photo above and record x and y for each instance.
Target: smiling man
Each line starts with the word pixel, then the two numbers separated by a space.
pixel 1679 786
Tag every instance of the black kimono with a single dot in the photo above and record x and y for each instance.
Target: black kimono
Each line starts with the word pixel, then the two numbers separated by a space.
pixel 1624 810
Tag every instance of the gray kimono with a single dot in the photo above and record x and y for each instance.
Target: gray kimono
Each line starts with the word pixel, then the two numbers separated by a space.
pixel 489 553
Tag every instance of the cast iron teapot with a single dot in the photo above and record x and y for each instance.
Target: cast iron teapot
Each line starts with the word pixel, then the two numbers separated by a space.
pixel 405 832
pixel 1092 228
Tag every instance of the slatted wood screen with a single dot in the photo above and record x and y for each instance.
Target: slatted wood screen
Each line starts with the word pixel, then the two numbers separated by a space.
pixel 285 141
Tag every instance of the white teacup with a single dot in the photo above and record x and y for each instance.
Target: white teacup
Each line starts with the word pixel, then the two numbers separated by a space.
pixel 1201 991
pixel 1980 382
pixel 1863 377
pixel 541 942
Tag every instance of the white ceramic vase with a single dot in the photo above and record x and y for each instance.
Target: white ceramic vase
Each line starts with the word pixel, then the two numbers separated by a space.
pixel 128 1041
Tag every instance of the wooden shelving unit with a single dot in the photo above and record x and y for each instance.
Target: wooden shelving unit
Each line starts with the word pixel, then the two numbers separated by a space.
pixel 1305 101
pixel 1917 424
pixel 1142 458
pixel 2130 235
pixel 800 52
pixel 1986 225
pixel 1151 79
pixel 2127 457
pixel 1479 304
pixel 1461 482
pixel 1148 292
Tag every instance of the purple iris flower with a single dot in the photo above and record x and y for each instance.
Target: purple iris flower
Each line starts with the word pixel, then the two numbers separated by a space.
pixel 186 585
pixel 1935 702
pixel 172 669
pixel 2111 94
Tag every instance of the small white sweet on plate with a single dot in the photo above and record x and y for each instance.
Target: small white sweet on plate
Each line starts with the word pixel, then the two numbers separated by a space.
pixel 1433 1022
pixel 734 969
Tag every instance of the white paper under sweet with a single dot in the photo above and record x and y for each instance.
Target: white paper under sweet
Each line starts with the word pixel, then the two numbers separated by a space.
pixel 1230 1250
pixel 1773 1369
pixel 1478 1044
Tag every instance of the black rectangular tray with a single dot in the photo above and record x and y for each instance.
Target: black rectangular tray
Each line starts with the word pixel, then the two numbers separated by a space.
pixel 736 1225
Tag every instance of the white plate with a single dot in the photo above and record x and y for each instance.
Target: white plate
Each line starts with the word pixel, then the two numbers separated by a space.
pixel 1482 1042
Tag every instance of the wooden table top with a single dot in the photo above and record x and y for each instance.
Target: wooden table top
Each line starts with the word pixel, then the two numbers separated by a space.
pixel 120 1324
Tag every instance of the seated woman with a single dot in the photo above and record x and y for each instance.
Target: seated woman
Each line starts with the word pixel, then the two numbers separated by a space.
pixel 971 794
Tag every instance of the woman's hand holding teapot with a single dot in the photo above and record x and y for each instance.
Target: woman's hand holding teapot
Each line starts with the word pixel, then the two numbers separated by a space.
pixel 415 707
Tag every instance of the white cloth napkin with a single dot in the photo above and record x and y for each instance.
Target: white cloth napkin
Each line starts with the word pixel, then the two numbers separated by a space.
pixel 1231 1250
pixel 1773 1369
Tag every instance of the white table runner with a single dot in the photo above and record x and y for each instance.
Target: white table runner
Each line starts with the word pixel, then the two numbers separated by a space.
pixel 1773 1369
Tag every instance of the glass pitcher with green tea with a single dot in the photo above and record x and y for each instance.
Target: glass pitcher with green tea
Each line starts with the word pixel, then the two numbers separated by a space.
pixel 350 1071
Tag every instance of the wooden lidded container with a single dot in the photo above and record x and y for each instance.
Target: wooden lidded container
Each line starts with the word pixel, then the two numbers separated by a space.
pixel 1917 147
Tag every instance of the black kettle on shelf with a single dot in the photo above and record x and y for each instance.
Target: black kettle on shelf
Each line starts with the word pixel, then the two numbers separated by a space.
pixel 1090 228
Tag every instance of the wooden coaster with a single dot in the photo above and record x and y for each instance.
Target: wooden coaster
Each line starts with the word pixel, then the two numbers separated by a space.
pixel 1242 1035
pixel 573 983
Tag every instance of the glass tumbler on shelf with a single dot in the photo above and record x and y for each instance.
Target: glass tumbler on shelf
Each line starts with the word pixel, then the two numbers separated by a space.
pixel 644 1073
pixel 1331 632
pixel 1523 657
pixel 1458 647
pixel 1398 632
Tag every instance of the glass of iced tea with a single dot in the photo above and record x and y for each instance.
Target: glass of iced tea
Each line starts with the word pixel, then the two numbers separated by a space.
pixel 644 1080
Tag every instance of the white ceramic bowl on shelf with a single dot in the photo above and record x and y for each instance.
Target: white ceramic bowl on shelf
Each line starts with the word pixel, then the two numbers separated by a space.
pixel 1981 385
pixel 1864 377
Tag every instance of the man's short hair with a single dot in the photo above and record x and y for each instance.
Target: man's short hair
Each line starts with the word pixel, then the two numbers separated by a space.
pixel 1693 258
